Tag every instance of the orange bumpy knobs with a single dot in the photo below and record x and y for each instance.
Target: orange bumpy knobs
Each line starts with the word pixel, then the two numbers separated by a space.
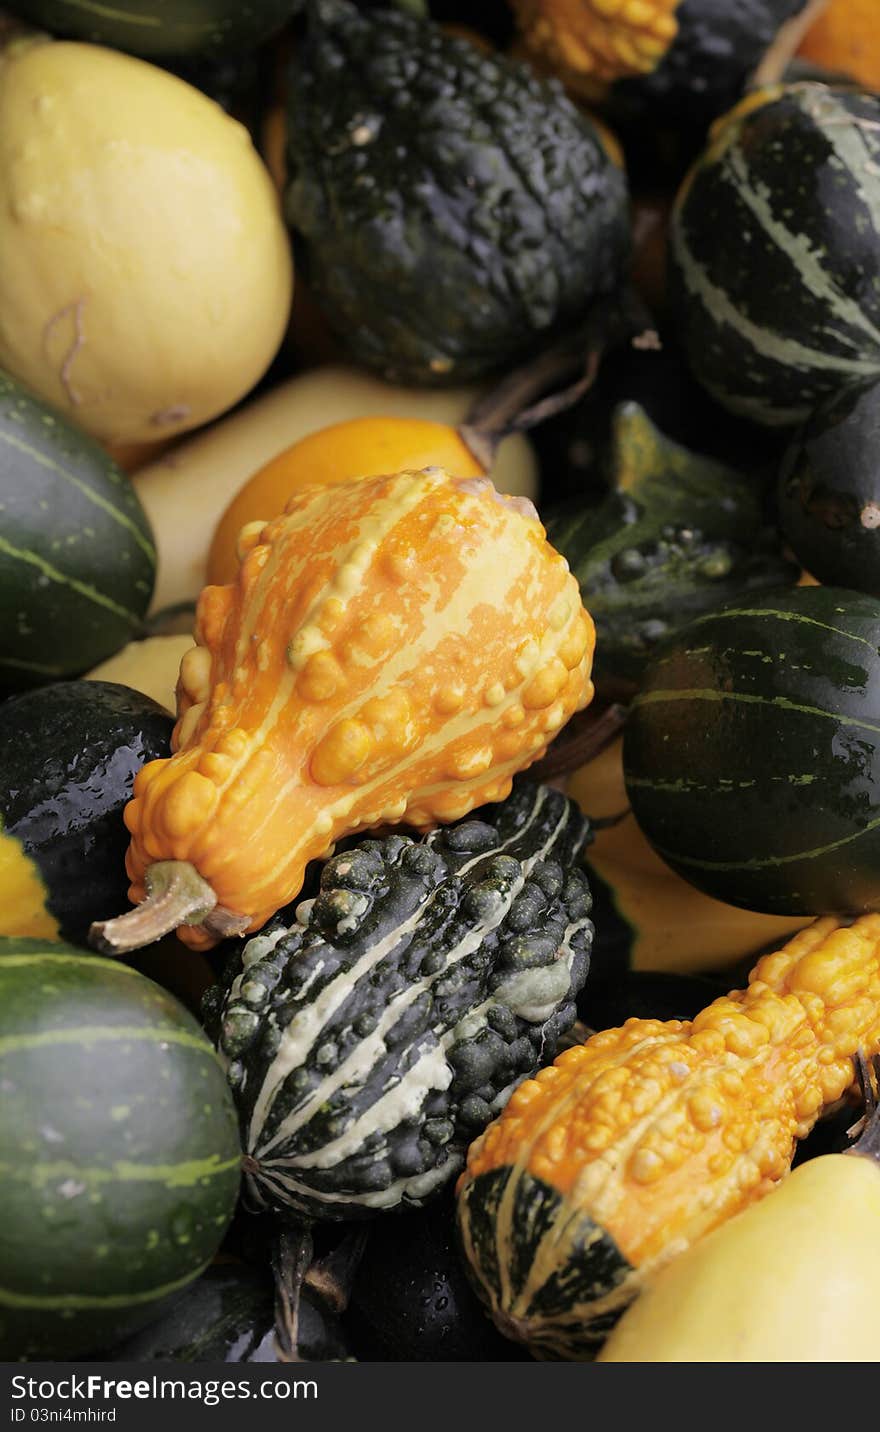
pixel 393 649
pixel 599 40
pixel 646 1137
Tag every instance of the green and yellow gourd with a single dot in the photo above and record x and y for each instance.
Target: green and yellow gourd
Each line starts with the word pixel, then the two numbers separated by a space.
pixel 115 1195
pixel 371 1037
pixel 775 242
pixel 786 1281
pixel 612 1161
pixel 361 670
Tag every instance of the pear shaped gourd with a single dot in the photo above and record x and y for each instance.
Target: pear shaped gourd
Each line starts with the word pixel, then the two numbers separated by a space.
pixel 393 650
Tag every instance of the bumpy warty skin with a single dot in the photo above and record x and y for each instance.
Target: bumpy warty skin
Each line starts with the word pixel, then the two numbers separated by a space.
pixel 371 1033
pixel 451 210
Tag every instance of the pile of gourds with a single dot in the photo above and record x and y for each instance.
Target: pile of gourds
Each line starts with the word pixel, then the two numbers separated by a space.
pixel 438 734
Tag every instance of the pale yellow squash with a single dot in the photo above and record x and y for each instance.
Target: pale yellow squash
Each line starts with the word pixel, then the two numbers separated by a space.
pixel 150 666
pixel 186 492
pixel 145 269
pixel 792 1279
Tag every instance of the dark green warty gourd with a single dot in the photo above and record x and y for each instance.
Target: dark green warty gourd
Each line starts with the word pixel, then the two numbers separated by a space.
pixel 450 209
pixel 676 535
pixel 372 1034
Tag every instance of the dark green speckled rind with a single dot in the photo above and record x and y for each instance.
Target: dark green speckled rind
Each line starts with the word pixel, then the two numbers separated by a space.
pixel 452 212
pixel 508 1220
pixel 775 254
pixel 374 1032
pixel 752 752
pixel 120 1158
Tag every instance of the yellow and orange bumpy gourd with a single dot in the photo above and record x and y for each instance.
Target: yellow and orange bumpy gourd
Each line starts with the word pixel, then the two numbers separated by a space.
pixel 598 41
pixel 632 1146
pixel 393 650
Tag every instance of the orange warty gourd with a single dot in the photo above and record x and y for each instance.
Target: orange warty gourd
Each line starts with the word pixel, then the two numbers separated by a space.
pixel 630 1147
pixel 393 649
pixel 598 40
pixel 360 447
pixel 846 37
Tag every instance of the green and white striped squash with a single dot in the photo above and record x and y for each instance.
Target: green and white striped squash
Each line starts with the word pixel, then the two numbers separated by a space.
pixel 370 1039
pixel 751 753
pixel 775 251
pixel 119 1156
pixel 77 559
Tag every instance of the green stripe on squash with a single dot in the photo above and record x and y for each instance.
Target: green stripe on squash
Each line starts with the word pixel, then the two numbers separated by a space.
pixel 121 1158
pixel 793 182
pixel 77 557
pixel 752 753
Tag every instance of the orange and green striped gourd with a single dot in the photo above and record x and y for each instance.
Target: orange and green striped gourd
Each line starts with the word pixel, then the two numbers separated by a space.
pixel 633 1145
pixel 393 649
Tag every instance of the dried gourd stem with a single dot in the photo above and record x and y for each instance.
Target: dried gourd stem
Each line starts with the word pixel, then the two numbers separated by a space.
pixel 291 1257
pixel 582 740
pixel 176 895
pixel 867 1128
pixel 332 1276
pixel 531 394
pixel 786 42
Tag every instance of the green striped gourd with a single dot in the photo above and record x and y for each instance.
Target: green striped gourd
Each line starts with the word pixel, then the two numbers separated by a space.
pixel 775 250
pixel 162 29
pixel 77 560
pixel 751 753
pixel 369 1040
pixel 120 1158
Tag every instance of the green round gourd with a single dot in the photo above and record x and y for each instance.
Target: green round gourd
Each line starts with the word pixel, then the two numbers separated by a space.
pixel 451 211
pixel 161 29
pixel 752 752
pixel 829 492
pixel 121 1160
pixel 774 251
pixel 77 560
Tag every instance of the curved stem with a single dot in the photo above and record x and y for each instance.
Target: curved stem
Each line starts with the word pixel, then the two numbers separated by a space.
pixel 532 393
pixel 290 1262
pixel 176 895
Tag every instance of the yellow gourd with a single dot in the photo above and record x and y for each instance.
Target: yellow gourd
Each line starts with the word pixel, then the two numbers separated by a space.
pixel 792 1279
pixel 145 269
pixel 187 492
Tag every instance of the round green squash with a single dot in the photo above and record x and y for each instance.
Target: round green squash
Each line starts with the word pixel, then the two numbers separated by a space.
pixel 829 492
pixel 775 249
pixel 120 1153
pixel 752 752
pixel 77 560
pixel 161 29
pixel 69 753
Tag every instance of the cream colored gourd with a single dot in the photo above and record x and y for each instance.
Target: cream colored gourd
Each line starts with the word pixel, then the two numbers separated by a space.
pixel 151 666
pixel 145 270
pixel 186 492
pixel 792 1279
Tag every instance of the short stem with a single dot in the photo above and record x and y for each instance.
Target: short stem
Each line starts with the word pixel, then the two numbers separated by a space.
pixel 868 1128
pixel 176 895
pixel 332 1277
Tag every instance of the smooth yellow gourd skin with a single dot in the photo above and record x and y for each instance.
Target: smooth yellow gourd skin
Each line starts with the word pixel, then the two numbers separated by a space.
pixel 792 1279
pixel 145 269
pixel 186 491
